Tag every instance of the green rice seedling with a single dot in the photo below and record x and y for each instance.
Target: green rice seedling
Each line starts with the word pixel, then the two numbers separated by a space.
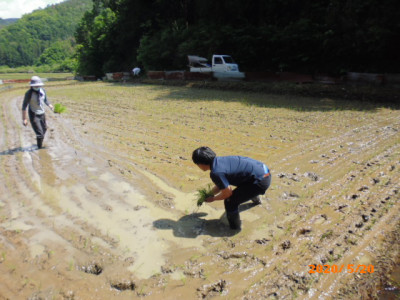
pixel 326 235
pixel 203 194
pixel 71 265
pixel 59 108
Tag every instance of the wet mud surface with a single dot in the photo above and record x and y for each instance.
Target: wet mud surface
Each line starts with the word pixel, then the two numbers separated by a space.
pixel 107 209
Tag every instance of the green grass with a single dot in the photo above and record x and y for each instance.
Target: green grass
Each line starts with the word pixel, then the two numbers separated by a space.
pixel 327 235
pixel 5 76
pixel 59 108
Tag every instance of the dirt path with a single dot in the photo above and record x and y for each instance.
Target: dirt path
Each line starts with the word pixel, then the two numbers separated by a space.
pixel 106 210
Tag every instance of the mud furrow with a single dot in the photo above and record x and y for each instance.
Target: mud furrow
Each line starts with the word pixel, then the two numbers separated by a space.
pixel 354 235
pixel 345 143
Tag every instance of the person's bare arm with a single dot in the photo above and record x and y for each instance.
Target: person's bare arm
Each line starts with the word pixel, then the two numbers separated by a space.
pixel 24 118
pixel 221 195
pixel 215 190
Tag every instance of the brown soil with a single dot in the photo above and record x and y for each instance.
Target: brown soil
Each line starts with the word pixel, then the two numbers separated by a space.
pixel 107 210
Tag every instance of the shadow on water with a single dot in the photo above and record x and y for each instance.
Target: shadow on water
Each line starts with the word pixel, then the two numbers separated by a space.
pixel 20 149
pixel 193 225
pixel 312 97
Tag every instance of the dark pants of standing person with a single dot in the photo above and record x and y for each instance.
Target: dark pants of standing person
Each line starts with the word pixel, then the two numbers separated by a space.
pixel 242 194
pixel 39 126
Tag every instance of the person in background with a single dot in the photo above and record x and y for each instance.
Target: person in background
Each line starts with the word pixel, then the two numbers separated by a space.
pixel 136 71
pixel 251 178
pixel 36 98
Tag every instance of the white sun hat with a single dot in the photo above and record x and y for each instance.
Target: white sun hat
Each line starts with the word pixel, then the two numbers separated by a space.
pixel 36 81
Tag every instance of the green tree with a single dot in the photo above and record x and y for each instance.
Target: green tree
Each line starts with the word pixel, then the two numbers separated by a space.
pixel 330 36
pixel 57 52
pixel 24 41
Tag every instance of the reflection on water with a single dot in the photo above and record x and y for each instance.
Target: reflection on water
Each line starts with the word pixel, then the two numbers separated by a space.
pixel 19 149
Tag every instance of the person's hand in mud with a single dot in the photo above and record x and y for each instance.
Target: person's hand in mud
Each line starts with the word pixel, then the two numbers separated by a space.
pixel 25 122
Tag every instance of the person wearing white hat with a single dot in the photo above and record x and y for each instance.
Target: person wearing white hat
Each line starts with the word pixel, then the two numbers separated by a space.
pixel 35 98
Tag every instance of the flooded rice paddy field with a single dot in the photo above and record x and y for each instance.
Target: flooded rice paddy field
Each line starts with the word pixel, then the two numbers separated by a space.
pixel 107 209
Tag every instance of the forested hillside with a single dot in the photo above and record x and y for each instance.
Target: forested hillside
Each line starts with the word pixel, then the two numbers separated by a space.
pixel 45 36
pixel 330 36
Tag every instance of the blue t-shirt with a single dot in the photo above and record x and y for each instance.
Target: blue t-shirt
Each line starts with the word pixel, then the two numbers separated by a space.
pixel 236 170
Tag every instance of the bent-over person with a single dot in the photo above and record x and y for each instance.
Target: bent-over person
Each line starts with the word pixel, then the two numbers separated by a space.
pixel 250 177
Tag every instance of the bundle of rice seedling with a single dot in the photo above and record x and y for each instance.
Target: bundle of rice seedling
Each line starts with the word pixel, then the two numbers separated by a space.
pixel 59 108
pixel 203 194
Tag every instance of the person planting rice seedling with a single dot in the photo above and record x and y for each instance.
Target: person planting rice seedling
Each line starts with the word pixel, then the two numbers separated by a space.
pixel 35 98
pixel 252 178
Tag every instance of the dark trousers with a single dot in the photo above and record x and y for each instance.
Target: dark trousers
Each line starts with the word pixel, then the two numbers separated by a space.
pixel 244 193
pixel 38 123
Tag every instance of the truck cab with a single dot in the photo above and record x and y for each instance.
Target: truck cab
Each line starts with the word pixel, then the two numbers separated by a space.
pixel 224 63
pixel 222 66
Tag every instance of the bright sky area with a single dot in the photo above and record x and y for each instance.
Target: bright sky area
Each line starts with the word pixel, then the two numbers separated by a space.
pixel 17 8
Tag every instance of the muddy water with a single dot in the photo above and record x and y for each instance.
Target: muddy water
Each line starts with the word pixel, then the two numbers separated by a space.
pixel 89 192
pixel 107 210
pixel 391 289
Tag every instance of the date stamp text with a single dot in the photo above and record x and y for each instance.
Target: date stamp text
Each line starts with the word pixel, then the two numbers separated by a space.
pixel 327 269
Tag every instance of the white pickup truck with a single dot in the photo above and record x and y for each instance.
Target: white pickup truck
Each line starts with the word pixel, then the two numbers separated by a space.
pixel 222 66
